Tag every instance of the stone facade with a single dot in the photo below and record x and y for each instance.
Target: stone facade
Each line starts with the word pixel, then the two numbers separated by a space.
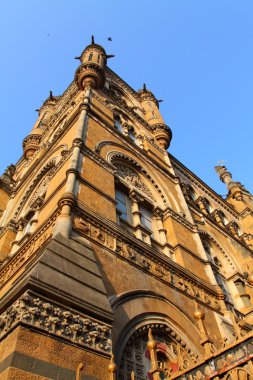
pixel 110 245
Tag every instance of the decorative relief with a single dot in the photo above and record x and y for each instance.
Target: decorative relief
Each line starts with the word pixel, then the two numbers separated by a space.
pixel 177 355
pixel 234 363
pixel 117 158
pixel 27 251
pixel 132 178
pixel 41 189
pixel 36 312
pixel 50 168
pixel 169 273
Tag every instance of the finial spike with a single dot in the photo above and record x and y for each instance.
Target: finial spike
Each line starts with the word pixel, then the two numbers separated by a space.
pixel 144 87
pixel 92 40
pixel 150 335
pixel 51 94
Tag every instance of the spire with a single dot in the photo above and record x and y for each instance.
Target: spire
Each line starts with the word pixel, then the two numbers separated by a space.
pixel 224 174
pixel 235 189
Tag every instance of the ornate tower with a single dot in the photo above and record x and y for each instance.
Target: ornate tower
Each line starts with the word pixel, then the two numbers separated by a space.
pixel 108 244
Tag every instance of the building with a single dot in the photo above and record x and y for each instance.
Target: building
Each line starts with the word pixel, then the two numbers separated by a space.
pixel 109 244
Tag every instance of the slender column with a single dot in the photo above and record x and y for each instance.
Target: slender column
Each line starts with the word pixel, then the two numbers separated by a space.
pixel 151 346
pixel 136 214
pixel 64 221
pixel 112 369
pixel 199 316
pixel 217 218
pixel 158 214
pixel 201 203
pixel 15 246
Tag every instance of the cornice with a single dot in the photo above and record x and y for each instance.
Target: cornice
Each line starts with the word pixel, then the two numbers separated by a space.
pixel 203 186
pixel 219 228
pixel 112 75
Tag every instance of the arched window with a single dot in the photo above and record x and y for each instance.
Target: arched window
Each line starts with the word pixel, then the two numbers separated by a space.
pixel 223 218
pixel 208 206
pixel 131 134
pixel 123 206
pixel 217 266
pixel 191 193
pixel 117 122
pixel 135 205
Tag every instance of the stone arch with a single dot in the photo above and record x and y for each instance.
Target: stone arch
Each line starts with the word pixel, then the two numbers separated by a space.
pixel 169 199
pixel 117 157
pixel 177 351
pixel 137 308
pixel 206 235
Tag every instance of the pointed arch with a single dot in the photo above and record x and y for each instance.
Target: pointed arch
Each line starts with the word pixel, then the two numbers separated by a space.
pixel 42 173
pixel 116 157
pixel 205 235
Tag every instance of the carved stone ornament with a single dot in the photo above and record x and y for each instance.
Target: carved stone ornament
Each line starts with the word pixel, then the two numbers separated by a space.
pixel 133 179
pixel 133 252
pixel 33 311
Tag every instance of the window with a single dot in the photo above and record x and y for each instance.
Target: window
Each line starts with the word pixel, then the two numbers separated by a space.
pixel 223 218
pixel 146 218
pixel 117 123
pixel 123 207
pixel 131 133
pixel 90 57
pixel 208 206
pixel 191 193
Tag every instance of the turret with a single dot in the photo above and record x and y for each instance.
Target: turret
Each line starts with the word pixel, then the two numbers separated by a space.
pixel 91 72
pixel 235 189
pixel 32 142
pixel 150 104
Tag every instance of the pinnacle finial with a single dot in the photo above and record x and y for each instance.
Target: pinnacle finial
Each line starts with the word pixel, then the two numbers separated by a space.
pixel 51 94
pixel 92 40
pixel 144 87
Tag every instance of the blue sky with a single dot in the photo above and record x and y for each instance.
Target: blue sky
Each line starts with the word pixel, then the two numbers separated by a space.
pixel 196 55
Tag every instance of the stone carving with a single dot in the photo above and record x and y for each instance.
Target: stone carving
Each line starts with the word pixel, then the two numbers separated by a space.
pixel 42 188
pixel 31 246
pixel 133 179
pixel 7 178
pixel 147 259
pixel 36 312
pixel 177 353
pixel 233 363
pixel 118 158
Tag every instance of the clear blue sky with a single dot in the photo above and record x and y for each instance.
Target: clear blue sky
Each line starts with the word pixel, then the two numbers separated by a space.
pixel 194 54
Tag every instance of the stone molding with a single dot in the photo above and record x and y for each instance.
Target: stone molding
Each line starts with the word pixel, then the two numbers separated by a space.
pixel 26 251
pixel 147 259
pixel 30 310
pixel 98 159
pixel 116 158
pixel 194 181
pixel 180 219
